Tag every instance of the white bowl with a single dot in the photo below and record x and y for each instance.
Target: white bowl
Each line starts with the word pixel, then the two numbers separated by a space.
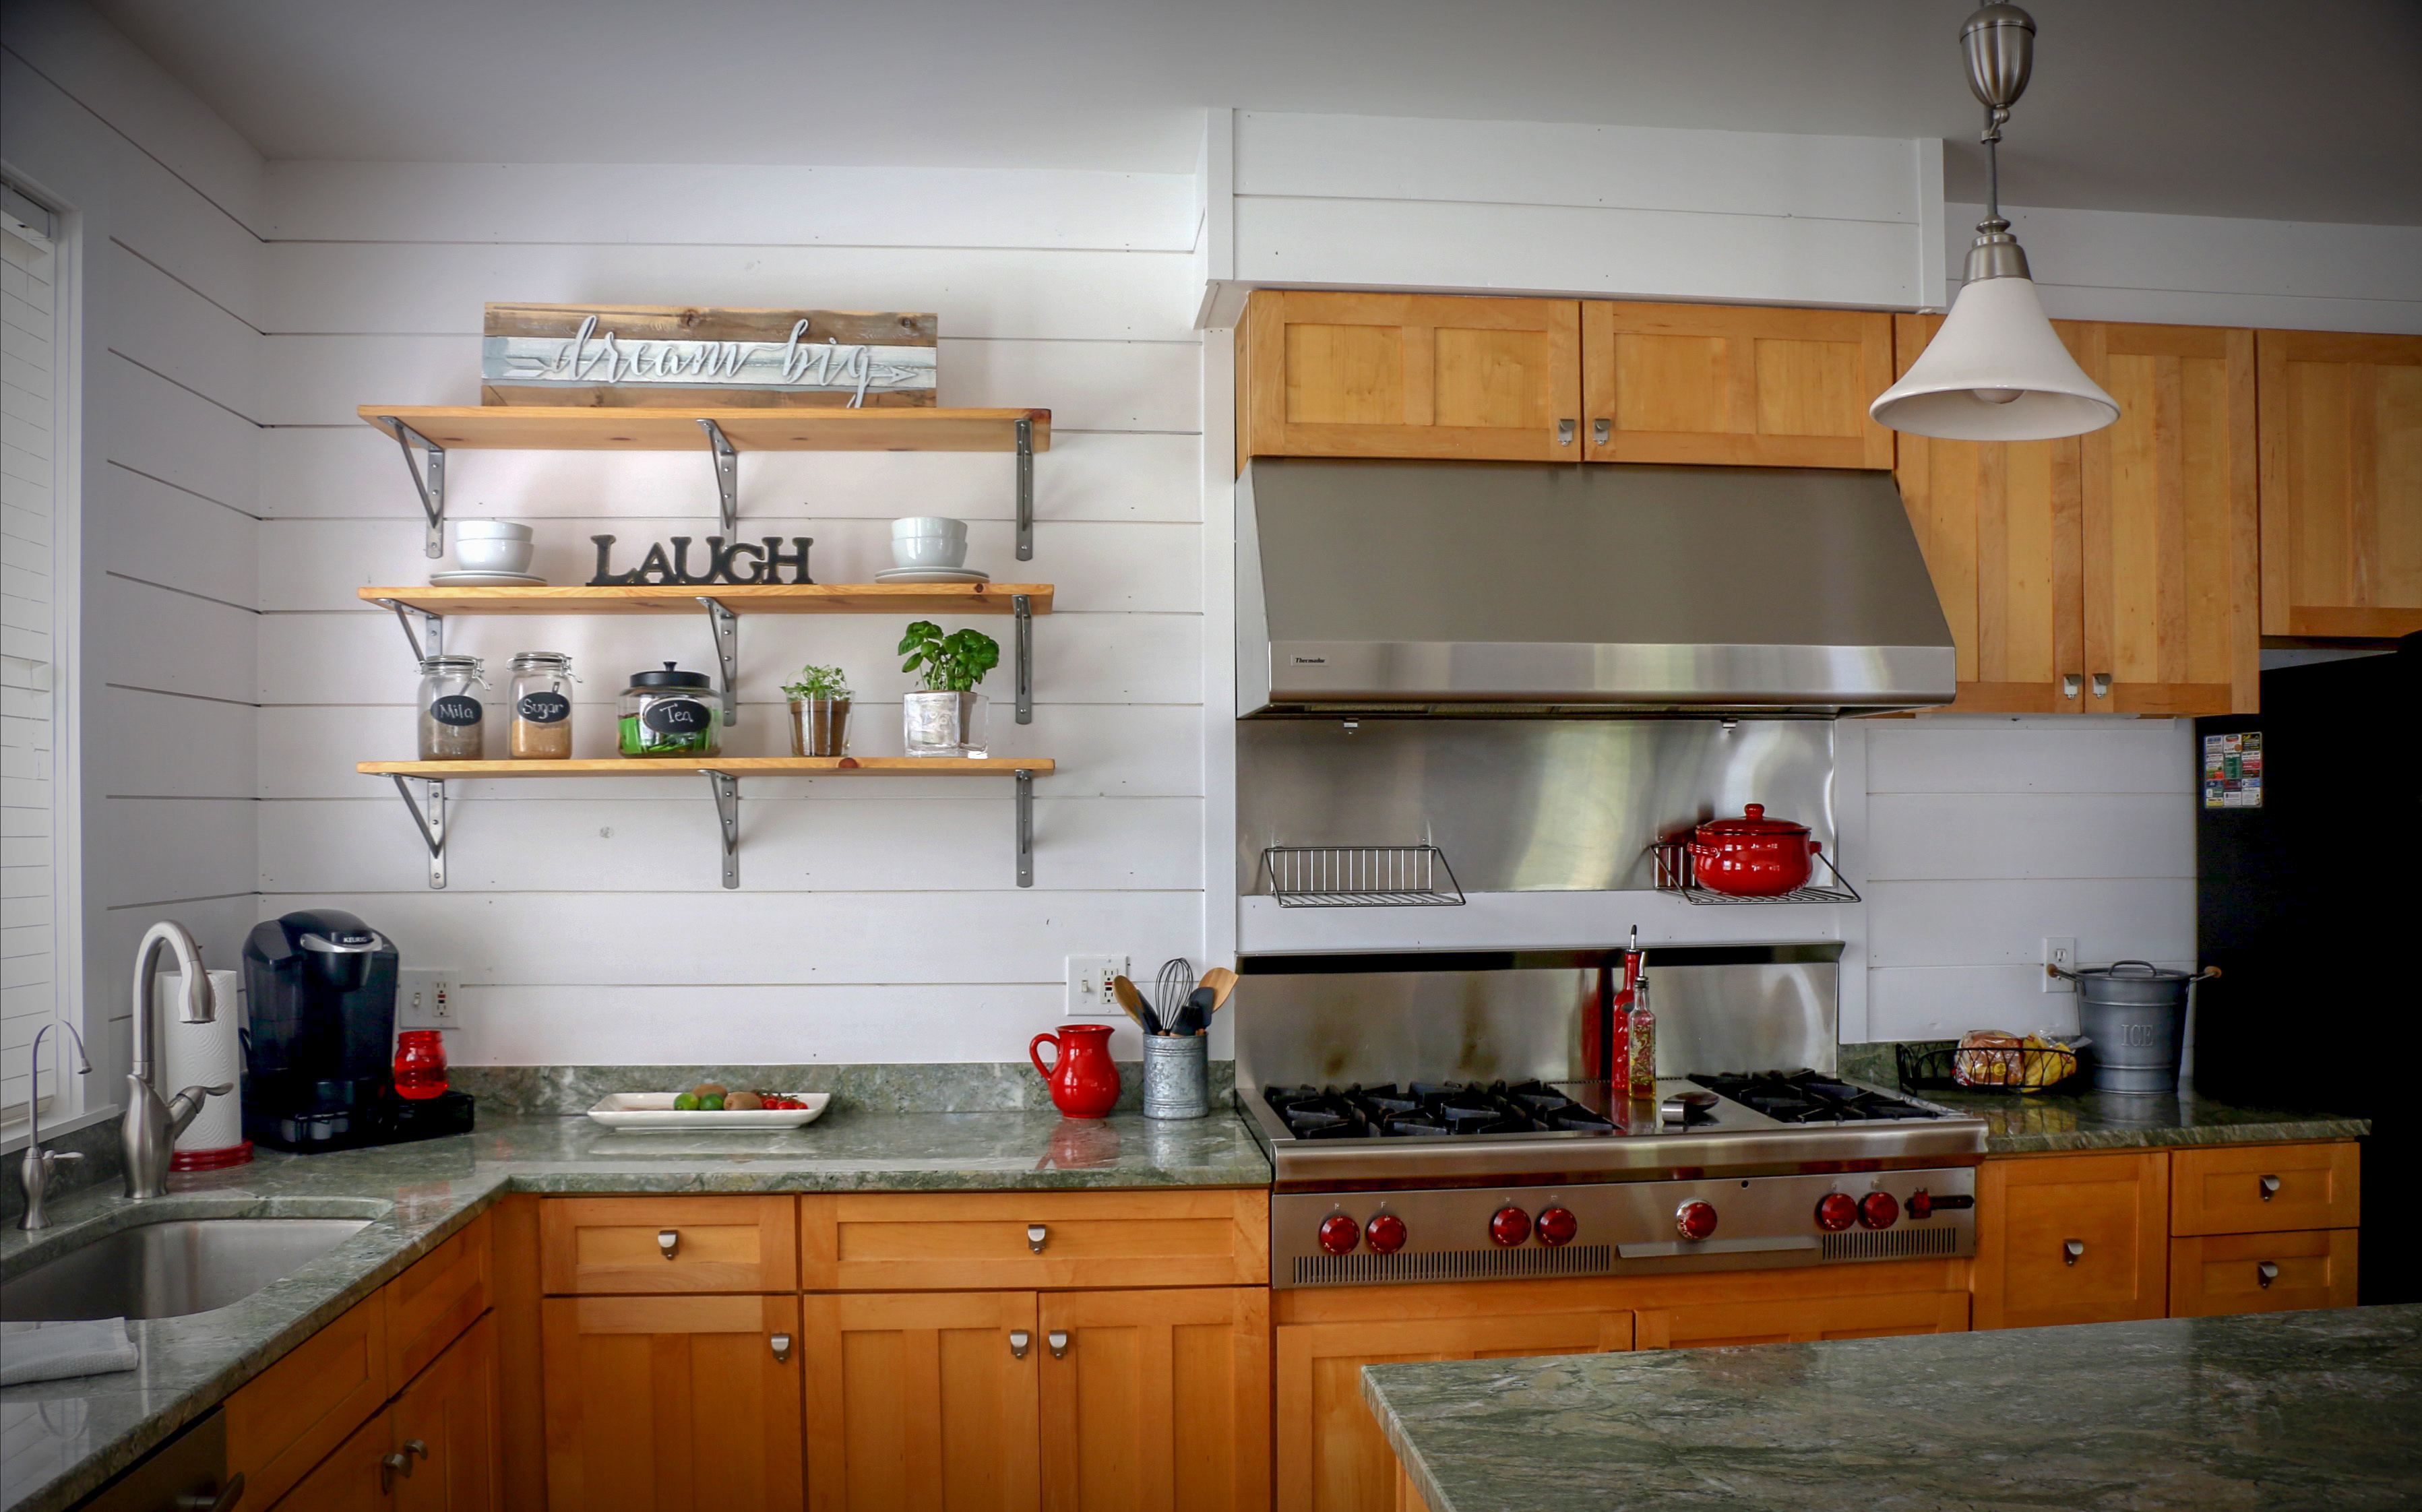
pixel 494 555
pixel 920 525
pixel 491 531
pixel 928 543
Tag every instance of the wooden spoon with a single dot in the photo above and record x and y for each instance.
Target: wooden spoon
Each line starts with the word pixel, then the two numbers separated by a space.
pixel 1221 982
pixel 1132 1000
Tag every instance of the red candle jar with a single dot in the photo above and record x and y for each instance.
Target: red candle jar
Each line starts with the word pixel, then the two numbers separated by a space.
pixel 419 1063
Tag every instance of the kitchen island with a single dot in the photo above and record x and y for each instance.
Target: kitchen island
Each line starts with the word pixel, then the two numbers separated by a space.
pixel 2276 1411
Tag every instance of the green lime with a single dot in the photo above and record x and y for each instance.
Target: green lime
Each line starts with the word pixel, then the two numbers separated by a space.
pixel 711 1103
pixel 686 1103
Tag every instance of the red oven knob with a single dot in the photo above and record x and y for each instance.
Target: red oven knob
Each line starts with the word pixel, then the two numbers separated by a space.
pixel 1339 1234
pixel 1509 1226
pixel 1921 1203
pixel 1385 1234
pixel 1879 1209
pixel 1557 1226
pixel 1837 1211
pixel 1695 1219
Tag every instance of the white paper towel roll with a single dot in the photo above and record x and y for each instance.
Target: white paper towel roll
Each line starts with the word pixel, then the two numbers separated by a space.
pixel 202 1055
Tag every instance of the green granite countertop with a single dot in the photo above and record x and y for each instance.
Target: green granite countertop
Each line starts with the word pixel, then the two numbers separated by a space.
pixel 2044 1122
pixel 2280 1410
pixel 60 1440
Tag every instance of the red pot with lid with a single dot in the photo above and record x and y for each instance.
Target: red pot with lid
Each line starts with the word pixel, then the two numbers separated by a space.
pixel 1753 856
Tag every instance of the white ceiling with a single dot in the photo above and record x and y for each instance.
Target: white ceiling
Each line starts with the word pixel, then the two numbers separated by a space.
pixel 2310 110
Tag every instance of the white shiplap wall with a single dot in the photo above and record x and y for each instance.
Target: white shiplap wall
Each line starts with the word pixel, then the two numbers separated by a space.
pixel 877 918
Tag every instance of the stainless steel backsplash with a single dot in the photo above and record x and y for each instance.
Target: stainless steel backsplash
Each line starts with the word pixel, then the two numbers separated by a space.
pixel 1522 805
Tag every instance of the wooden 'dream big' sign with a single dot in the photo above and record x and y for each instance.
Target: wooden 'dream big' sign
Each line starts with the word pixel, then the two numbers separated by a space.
pixel 671 356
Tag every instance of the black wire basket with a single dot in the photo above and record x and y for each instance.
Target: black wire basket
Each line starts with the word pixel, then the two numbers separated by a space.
pixel 1993 1068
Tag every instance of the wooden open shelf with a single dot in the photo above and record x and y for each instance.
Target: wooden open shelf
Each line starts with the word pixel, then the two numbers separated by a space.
pixel 547 428
pixel 728 765
pixel 785 598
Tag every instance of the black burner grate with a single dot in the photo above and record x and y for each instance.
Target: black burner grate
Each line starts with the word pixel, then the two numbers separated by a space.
pixel 1810 1097
pixel 1430 1109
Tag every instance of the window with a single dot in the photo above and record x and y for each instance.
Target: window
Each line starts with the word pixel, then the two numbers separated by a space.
pixel 37 931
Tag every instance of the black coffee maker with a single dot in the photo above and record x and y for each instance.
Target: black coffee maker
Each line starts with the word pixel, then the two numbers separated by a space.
pixel 319 1044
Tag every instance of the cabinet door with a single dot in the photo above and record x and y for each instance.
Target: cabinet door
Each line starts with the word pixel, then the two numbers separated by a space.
pixel 1734 383
pixel 445 1427
pixel 2171 559
pixel 665 1403
pixel 2216 1273
pixel 1999 524
pixel 1157 1400
pixel 1331 1456
pixel 2341 483
pixel 1699 1325
pixel 287 1419
pixel 924 1400
pixel 2079 1238
pixel 1411 375
pixel 359 1476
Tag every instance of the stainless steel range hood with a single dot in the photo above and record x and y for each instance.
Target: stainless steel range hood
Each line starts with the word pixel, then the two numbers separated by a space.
pixel 1496 589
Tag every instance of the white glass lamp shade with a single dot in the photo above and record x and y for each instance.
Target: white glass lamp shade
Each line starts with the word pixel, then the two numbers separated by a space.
pixel 1995 371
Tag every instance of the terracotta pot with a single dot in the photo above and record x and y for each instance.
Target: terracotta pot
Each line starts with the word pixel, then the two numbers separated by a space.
pixel 1084 1079
pixel 1753 856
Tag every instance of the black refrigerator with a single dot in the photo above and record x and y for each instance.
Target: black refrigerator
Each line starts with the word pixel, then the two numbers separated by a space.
pixel 2308 895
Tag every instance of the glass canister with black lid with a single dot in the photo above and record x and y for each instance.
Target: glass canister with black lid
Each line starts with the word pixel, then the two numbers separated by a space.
pixel 541 695
pixel 452 721
pixel 670 713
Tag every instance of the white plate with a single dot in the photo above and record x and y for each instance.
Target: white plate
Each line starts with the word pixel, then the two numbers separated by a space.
pixel 931 574
pixel 472 579
pixel 655 1111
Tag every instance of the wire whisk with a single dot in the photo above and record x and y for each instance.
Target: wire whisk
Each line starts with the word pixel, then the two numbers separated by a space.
pixel 1170 993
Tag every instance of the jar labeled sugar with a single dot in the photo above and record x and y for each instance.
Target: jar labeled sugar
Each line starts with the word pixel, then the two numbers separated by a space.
pixel 542 694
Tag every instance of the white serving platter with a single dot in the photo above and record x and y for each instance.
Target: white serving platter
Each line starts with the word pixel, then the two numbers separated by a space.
pixel 654 1111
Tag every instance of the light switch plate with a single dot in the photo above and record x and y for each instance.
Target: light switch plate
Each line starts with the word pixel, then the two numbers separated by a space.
pixel 2060 951
pixel 1089 986
pixel 425 999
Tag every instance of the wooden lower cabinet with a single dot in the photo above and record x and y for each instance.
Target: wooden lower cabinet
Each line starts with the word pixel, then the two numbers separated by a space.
pixel 1703 1325
pixel 2216 1273
pixel 445 1427
pixel 663 1403
pixel 1158 1401
pixel 923 1400
pixel 2072 1238
pixel 360 1476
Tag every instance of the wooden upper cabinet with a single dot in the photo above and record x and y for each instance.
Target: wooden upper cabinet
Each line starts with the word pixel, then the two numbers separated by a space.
pixel 1409 375
pixel 2341 483
pixel 1733 384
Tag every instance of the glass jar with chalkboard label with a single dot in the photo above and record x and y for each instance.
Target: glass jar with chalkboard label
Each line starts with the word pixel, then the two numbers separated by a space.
pixel 542 694
pixel 452 725
pixel 670 713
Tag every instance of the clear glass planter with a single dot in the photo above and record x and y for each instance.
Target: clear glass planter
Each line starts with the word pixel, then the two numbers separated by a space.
pixel 820 727
pixel 944 724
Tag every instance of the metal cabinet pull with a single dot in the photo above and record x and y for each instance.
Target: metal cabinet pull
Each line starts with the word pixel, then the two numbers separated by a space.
pixel 2070 1250
pixel 389 1468
pixel 669 1241
pixel 1564 430
pixel 1057 1339
pixel 1018 1340
pixel 1601 432
pixel 2102 684
pixel 781 1348
pixel 223 1499
pixel 2069 685
pixel 2265 1273
pixel 1035 1235
pixel 2270 1188
pixel 415 1446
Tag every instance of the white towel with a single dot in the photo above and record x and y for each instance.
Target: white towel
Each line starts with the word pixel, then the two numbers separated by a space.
pixel 52 1351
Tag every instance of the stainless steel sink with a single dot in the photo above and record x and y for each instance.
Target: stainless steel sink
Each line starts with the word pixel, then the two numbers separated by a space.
pixel 170 1267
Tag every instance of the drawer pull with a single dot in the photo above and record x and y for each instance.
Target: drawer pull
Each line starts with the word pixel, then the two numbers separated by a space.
pixel 669 1242
pixel 223 1499
pixel 1018 1340
pixel 1057 1339
pixel 2270 1188
pixel 2070 1250
pixel 2265 1273
pixel 781 1348
pixel 1564 431
pixel 1035 1235
pixel 1601 431
pixel 415 1446
pixel 391 1467
pixel 2102 684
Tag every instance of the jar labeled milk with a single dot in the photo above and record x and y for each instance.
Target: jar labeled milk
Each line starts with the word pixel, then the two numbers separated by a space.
pixel 451 727
pixel 668 713
pixel 541 695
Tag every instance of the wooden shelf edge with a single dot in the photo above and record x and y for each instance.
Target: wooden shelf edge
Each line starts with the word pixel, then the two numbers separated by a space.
pixel 751 428
pixel 751 598
pixel 733 766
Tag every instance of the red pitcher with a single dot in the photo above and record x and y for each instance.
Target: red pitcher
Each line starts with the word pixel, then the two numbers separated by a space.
pixel 1083 1081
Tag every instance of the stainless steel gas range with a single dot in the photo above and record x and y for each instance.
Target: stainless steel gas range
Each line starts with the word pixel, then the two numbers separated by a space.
pixel 1434 1118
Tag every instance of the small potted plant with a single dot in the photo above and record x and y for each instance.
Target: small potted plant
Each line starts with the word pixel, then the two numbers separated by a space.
pixel 948 717
pixel 819 712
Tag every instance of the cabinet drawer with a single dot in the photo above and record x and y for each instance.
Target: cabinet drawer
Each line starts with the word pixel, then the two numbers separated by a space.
pixel 2071 1240
pixel 287 1419
pixel 670 1244
pixel 2262 1188
pixel 355 1478
pixel 1705 1324
pixel 973 1241
pixel 2214 1273
pixel 430 1306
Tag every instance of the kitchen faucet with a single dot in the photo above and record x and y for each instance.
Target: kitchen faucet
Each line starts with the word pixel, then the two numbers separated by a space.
pixel 147 1135
pixel 36 1173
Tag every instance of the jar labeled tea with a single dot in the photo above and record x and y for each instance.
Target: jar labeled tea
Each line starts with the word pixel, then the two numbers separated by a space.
pixel 542 694
pixel 452 725
pixel 668 713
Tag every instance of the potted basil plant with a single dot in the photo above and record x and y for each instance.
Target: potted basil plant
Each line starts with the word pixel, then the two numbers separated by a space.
pixel 948 717
pixel 819 712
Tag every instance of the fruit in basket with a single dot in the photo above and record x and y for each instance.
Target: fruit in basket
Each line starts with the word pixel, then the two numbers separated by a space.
pixel 1988 1058
pixel 2046 1062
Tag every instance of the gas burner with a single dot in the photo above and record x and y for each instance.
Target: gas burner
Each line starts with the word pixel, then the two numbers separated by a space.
pixel 1430 1109
pixel 1807 1096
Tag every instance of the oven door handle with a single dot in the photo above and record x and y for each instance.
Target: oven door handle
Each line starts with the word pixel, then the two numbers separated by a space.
pixel 1672 1247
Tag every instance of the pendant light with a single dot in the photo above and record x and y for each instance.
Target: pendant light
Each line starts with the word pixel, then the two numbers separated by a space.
pixel 1996 371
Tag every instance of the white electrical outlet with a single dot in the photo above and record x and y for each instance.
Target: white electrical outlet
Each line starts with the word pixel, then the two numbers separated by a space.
pixel 2060 951
pixel 427 1000
pixel 1089 986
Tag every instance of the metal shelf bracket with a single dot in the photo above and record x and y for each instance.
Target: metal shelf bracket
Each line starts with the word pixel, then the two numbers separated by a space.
pixel 726 653
pixel 1025 490
pixel 431 824
pixel 1025 828
pixel 432 640
pixel 727 813
pixel 431 487
pixel 1025 643
pixel 727 476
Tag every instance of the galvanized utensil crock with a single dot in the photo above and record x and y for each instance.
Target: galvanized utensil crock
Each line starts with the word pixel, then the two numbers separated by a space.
pixel 2135 1012
pixel 1177 1075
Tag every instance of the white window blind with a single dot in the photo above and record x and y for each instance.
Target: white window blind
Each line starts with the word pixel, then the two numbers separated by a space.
pixel 30 687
